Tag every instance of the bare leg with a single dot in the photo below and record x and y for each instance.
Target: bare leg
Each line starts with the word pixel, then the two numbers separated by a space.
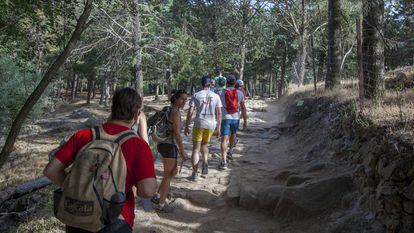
pixel 204 151
pixel 232 141
pixel 224 140
pixel 170 170
pixel 195 156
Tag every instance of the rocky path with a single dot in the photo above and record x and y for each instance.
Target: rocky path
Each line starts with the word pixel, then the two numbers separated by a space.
pixel 211 203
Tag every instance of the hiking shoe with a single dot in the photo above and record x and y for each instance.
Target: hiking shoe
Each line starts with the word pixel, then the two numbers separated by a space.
pixel 229 155
pixel 193 177
pixel 155 200
pixel 166 208
pixel 204 169
pixel 146 204
pixel 222 166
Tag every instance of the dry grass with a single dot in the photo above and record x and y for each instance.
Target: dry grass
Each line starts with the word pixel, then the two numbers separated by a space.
pixel 395 111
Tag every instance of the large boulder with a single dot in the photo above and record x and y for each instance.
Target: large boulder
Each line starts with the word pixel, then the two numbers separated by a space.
pixel 248 196
pixel 268 197
pixel 313 198
pixel 81 113
pixel 201 197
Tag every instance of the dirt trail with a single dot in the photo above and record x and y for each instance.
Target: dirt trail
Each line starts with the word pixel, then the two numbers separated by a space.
pixel 209 205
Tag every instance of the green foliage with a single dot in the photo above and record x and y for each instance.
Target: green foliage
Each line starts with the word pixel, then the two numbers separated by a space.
pixel 16 84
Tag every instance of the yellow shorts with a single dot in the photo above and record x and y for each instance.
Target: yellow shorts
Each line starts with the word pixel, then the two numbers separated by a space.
pixel 202 135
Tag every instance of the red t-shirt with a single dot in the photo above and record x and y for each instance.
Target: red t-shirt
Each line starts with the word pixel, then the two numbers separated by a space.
pixel 138 157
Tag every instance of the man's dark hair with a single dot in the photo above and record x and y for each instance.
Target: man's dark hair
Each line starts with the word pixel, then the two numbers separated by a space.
pixel 125 103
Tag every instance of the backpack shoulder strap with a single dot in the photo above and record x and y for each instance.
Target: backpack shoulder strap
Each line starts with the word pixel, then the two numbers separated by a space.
pixel 124 136
pixel 96 133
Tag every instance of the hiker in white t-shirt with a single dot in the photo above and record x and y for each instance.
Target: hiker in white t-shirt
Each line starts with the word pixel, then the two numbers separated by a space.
pixel 207 122
pixel 233 107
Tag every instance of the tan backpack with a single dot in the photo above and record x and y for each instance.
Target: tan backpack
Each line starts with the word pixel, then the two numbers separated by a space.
pixel 93 192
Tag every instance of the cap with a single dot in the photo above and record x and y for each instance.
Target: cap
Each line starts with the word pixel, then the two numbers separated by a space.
pixel 231 79
pixel 221 81
pixel 205 80
pixel 240 83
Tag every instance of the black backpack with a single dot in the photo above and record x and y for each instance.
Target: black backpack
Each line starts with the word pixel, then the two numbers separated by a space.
pixel 159 126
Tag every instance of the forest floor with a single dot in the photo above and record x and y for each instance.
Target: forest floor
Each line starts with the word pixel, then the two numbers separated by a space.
pixel 271 163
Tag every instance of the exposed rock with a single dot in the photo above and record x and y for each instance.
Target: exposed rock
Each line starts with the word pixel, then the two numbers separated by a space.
pixel 296 180
pixel 409 191
pixel 283 175
pixel 313 198
pixel 300 110
pixel 201 197
pixel 409 207
pixel 248 196
pixel 94 121
pixel 317 167
pixel 269 197
pixel 81 113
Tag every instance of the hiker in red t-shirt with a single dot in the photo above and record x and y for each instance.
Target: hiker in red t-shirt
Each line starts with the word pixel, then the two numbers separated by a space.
pixel 126 104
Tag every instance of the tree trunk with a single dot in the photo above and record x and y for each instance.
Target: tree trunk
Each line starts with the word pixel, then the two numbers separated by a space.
pixel 91 83
pixel 157 91
pixel 359 58
pixel 243 37
pixel 321 65
pixel 270 85
pixel 315 77
pixel 74 86
pixel 137 34
pixel 78 85
pixel 302 52
pixel 333 70
pixel 282 82
pixel 373 49
pixel 169 82
pixel 47 78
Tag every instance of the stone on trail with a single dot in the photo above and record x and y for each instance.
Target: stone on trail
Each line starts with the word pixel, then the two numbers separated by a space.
pixel 294 180
pixel 317 167
pixel 81 113
pixel 94 121
pixel 269 197
pixel 201 197
pixel 284 174
pixel 313 198
pixel 409 191
pixel 248 197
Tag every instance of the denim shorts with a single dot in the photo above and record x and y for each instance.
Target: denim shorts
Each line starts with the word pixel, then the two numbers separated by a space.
pixel 229 127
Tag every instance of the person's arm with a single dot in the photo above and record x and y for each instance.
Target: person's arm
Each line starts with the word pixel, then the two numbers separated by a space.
pixel 244 114
pixel 175 119
pixel 55 171
pixel 142 124
pixel 188 120
pixel 218 127
pixel 147 187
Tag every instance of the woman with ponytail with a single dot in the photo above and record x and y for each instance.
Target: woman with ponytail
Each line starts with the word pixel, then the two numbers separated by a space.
pixel 170 149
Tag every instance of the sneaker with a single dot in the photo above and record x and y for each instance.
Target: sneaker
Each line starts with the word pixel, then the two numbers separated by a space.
pixel 166 208
pixel 193 177
pixel 222 166
pixel 146 204
pixel 229 155
pixel 155 200
pixel 204 169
